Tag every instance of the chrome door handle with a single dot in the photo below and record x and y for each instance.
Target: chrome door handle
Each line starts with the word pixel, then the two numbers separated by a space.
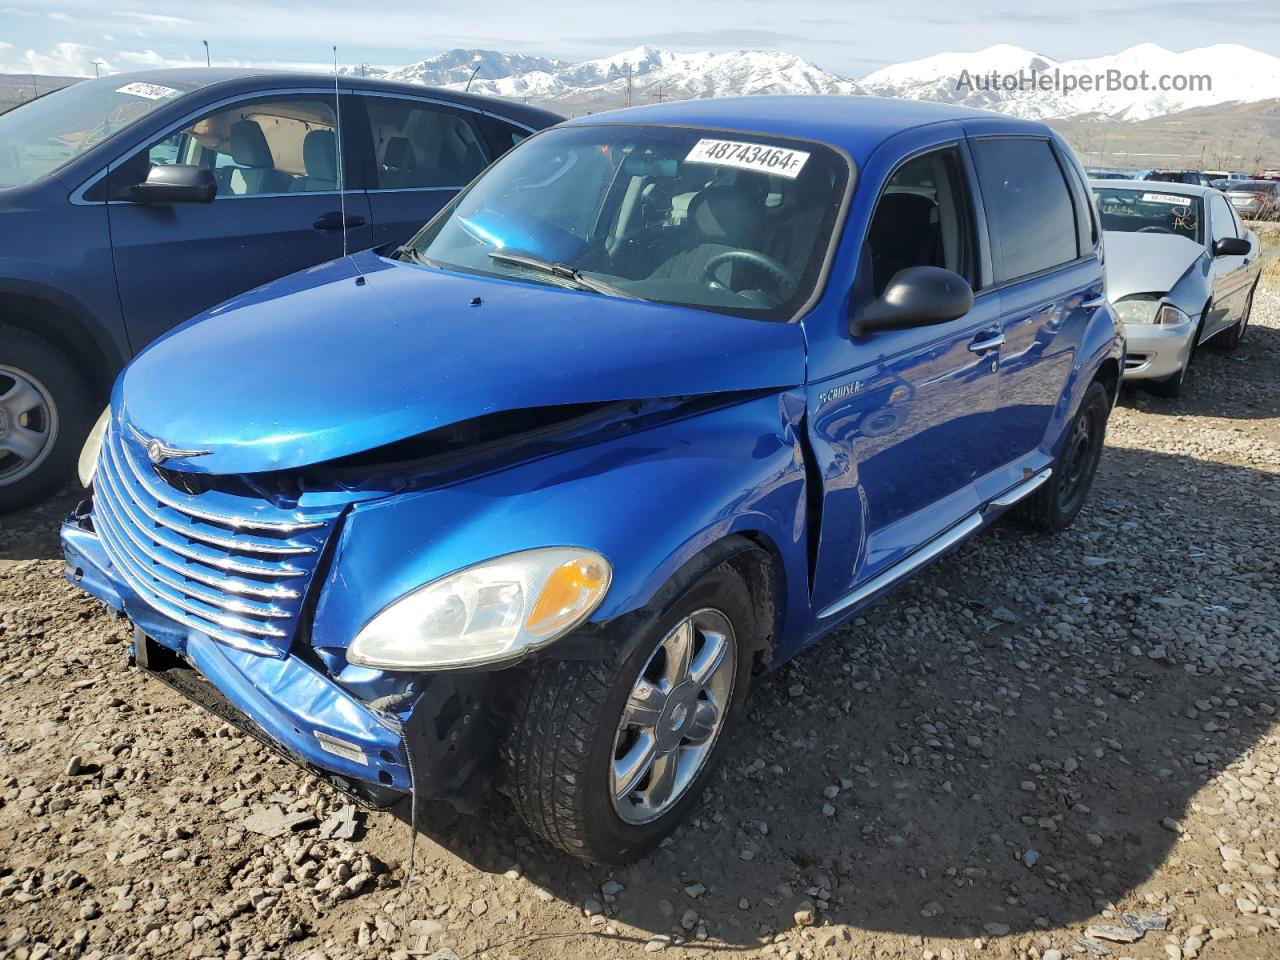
pixel 982 346
pixel 1094 303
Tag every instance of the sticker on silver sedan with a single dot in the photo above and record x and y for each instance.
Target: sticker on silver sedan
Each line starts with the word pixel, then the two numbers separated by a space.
pixel 1165 198
pixel 762 157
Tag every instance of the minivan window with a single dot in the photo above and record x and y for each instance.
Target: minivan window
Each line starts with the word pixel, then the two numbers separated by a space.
pixel 737 223
pixel 39 137
pixel 1027 204
pixel 419 145
pixel 1150 209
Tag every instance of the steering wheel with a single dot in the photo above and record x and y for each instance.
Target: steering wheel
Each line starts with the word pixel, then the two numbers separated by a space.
pixel 780 275
pixel 1154 229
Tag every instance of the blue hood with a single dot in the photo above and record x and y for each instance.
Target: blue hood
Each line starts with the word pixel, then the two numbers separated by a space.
pixel 364 351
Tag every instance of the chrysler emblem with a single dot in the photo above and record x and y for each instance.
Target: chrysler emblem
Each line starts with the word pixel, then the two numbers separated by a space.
pixel 158 451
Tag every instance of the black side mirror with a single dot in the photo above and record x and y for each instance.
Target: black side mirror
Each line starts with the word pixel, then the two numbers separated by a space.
pixel 1231 247
pixel 915 297
pixel 176 183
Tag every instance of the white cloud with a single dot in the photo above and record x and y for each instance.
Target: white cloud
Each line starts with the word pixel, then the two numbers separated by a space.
pixel 159 19
pixel 56 15
pixel 62 59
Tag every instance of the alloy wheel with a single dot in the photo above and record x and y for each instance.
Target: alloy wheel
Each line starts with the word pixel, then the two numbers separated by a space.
pixel 673 716
pixel 28 424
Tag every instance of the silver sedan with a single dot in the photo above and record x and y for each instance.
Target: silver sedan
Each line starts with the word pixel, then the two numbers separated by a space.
pixel 1181 270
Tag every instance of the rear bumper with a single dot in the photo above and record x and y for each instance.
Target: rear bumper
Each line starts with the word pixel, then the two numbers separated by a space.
pixel 1154 351
pixel 294 706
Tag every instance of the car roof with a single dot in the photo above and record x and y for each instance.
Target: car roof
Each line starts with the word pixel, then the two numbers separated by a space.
pixel 239 79
pixel 1191 189
pixel 856 124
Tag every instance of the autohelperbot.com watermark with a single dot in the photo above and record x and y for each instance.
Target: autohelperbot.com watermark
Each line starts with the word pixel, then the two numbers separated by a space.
pixel 1058 80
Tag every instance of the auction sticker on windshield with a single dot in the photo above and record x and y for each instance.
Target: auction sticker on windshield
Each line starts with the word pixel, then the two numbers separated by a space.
pixel 1165 198
pixel 782 161
pixel 150 91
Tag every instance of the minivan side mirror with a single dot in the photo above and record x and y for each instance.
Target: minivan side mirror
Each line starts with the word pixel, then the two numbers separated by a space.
pixel 175 183
pixel 915 297
pixel 1231 247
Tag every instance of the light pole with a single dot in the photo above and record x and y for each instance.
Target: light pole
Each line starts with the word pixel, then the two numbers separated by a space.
pixel 96 63
pixel 207 61
pixel 479 64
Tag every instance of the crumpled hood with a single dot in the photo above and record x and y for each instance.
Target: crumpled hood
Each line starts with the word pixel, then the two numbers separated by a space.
pixel 1147 262
pixel 364 351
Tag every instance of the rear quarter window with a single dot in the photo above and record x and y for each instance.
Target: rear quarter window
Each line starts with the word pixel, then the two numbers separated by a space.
pixel 1028 206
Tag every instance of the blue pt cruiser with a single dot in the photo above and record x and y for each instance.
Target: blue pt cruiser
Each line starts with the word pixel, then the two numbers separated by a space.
pixel 663 397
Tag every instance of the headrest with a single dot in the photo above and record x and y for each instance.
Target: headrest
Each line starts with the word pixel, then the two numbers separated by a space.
pixel 249 145
pixel 727 213
pixel 398 154
pixel 320 155
pixel 901 222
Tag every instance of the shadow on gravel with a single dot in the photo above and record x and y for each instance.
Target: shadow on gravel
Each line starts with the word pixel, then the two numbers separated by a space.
pixel 1238 384
pixel 1006 760
pixel 32 534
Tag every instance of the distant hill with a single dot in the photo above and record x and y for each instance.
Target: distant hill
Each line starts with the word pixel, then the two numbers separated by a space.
pixel 1228 136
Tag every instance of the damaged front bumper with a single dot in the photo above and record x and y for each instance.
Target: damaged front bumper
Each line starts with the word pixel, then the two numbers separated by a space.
pixel 435 746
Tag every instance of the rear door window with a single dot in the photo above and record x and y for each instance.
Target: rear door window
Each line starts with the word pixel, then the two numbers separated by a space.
pixel 1028 206
pixel 424 145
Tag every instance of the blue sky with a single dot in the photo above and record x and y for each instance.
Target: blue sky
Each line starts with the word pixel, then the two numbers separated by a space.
pixel 852 37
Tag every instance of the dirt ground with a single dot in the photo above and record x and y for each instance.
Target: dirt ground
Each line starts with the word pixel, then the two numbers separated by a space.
pixel 1036 738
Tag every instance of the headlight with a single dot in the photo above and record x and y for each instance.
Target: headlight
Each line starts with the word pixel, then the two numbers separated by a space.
pixel 88 463
pixel 1149 310
pixel 1138 309
pixel 492 612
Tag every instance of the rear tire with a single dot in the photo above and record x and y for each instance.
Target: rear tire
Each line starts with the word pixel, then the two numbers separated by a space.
pixel 1053 507
pixel 577 729
pixel 45 413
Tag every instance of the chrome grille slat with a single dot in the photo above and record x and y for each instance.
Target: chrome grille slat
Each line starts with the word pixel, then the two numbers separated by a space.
pixel 187 571
pixel 194 533
pixel 166 499
pixel 198 553
pixel 140 575
pixel 201 593
pixel 200 565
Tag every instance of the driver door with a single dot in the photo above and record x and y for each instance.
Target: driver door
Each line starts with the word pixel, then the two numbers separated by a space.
pixel 902 433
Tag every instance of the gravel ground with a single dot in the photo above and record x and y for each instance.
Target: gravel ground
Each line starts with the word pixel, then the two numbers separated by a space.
pixel 1034 741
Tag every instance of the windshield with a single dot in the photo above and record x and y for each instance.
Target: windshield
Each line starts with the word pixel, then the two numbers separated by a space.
pixel 736 223
pixel 40 136
pixel 1150 211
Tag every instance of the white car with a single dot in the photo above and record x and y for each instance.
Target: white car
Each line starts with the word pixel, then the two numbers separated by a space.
pixel 1181 269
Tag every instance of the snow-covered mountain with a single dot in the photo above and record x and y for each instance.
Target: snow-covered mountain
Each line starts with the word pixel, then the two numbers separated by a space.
pixel 1234 72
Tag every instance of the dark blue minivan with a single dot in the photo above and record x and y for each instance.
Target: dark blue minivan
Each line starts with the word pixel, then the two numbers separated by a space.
pixel 663 397
pixel 131 203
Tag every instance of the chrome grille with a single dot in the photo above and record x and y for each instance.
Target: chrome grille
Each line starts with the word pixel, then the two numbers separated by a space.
pixel 233 567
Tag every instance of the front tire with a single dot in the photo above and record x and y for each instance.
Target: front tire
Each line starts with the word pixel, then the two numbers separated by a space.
pixel 604 759
pixel 1231 338
pixel 1053 507
pixel 45 414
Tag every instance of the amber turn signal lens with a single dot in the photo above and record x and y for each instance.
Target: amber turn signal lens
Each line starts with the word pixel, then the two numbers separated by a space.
pixel 570 588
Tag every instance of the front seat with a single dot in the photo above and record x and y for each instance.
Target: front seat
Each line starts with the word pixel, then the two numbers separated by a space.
pixel 320 160
pixel 399 163
pixel 256 171
pixel 720 218
pixel 904 233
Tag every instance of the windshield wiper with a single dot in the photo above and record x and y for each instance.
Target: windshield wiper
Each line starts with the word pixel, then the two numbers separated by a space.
pixel 564 272
pixel 411 254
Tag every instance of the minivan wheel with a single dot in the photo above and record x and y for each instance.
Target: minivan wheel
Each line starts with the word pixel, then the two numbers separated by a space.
pixel 44 416
pixel 604 758
pixel 1054 506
